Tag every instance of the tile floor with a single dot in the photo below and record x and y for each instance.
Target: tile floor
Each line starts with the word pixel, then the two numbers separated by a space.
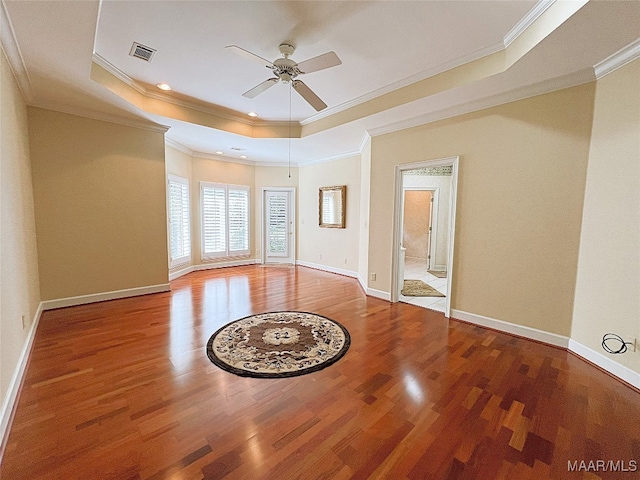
pixel 417 270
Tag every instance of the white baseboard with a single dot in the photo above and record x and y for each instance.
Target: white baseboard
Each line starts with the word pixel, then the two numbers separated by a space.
pixel 512 328
pixel 100 297
pixel 212 265
pixel 230 263
pixel 372 292
pixel 606 363
pixel 326 268
pixel 11 396
pixel 181 272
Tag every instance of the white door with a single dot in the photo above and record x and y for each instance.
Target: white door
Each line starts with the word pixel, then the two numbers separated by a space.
pixel 278 226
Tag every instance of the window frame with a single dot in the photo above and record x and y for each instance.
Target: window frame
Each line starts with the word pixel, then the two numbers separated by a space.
pixel 227 252
pixel 184 259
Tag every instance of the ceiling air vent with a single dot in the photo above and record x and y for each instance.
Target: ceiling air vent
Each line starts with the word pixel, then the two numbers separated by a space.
pixel 142 52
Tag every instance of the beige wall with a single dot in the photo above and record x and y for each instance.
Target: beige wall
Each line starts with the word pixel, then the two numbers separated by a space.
pixel 331 247
pixel 19 287
pixel 272 177
pixel 521 185
pixel 608 282
pixel 100 202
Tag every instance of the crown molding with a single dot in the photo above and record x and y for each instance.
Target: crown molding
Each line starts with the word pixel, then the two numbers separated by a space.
pixel 278 164
pixel 508 39
pixel 332 158
pixel 207 156
pixel 103 117
pixel 528 91
pixel 620 58
pixel 363 143
pixel 181 102
pixel 475 55
pixel 566 81
pixel 178 146
pixel 119 74
pixel 220 158
pixel 253 163
pixel 526 21
pixel 9 45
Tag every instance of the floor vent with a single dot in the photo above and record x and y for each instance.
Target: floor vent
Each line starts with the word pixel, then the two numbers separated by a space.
pixel 142 52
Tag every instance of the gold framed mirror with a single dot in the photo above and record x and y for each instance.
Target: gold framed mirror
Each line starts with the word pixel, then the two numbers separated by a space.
pixel 332 205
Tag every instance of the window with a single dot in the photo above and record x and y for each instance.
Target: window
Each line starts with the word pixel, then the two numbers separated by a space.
pixel 225 220
pixel 179 221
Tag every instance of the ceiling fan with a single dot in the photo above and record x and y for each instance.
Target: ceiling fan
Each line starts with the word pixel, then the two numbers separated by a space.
pixel 286 70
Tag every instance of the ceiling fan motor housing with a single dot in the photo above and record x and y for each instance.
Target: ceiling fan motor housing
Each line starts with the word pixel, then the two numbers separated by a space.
pixel 285 69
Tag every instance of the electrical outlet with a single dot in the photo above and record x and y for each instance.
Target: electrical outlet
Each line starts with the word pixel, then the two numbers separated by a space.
pixel 320 256
pixel 634 344
pixel 24 322
pixel 345 261
pixel 373 277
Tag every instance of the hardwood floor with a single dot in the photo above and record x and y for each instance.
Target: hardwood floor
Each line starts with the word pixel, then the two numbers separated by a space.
pixel 124 390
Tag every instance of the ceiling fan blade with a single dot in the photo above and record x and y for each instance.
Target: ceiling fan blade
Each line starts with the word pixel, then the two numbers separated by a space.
pixel 258 89
pixel 326 60
pixel 306 93
pixel 252 56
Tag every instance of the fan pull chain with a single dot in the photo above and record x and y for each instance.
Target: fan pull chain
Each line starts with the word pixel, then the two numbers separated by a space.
pixel 290 86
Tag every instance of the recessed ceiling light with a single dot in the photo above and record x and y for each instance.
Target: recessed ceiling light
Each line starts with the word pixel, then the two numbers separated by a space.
pixel 252 114
pixel 218 152
pixel 243 156
pixel 163 86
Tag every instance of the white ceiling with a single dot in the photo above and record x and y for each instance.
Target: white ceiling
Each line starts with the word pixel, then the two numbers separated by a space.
pixel 383 45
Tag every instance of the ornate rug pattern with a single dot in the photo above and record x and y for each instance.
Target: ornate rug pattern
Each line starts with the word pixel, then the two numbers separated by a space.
pixel 278 344
pixel 417 288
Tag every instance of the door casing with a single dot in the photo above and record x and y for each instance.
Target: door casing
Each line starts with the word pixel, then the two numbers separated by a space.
pixel 291 259
pixel 397 222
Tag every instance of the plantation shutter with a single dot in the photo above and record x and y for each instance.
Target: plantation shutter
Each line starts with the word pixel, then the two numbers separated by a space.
pixel 179 221
pixel 214 220
pixel 238 220
pixel 277 221
pixel 225 220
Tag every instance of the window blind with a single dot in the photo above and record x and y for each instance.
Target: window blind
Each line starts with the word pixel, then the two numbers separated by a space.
pixel 179 221
pixel 277 221
pixel 225 220
pixel 238 209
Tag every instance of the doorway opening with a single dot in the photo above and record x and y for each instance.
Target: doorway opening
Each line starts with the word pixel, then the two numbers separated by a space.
pixel 424 228
pixel 278 226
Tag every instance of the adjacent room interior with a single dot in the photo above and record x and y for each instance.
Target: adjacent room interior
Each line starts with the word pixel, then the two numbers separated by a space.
pixel 158 183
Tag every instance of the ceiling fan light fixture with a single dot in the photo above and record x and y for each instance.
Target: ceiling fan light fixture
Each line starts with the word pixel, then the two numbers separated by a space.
pixel 163 86
pixel 243 156
pixel 219 152
pixel 252 114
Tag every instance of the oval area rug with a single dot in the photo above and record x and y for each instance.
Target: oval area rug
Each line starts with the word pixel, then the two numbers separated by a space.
pixel 278 344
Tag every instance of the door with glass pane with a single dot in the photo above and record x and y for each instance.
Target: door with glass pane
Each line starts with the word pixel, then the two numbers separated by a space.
pixel 278 226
